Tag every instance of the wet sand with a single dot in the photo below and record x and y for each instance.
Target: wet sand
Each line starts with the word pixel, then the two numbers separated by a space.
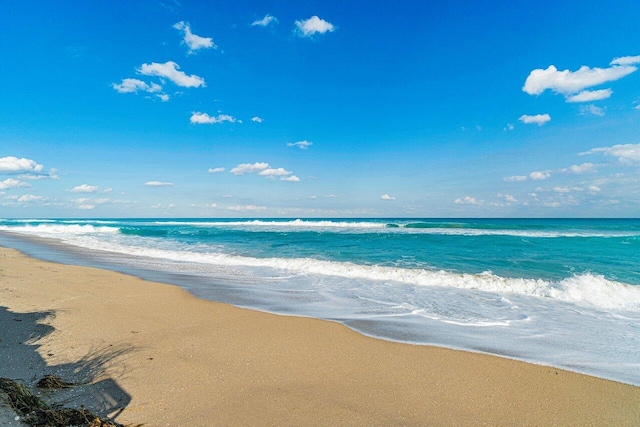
pixel 157 355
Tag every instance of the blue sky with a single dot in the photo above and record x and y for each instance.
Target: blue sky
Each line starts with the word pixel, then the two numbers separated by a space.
pixel 320 109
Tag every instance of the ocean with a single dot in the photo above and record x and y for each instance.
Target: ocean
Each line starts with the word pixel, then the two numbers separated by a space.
pixel 558 292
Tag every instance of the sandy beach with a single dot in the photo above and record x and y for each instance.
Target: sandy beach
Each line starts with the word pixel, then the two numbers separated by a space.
pixel 156 355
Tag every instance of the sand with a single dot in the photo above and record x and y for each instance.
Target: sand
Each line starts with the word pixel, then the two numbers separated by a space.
pixel 157 355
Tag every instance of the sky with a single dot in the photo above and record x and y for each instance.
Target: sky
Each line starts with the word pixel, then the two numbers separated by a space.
pixel 298 109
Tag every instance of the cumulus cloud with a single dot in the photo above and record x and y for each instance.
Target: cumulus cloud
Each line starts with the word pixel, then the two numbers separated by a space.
pixel 158 184
pixel 245 208
pixel 313 25
pixel 257 119
pixel 387 197
pixel 13 183
pixel 273 172
pixel 12 164
pixel 561 189
pixel 265 170
pixel 171 71
pixel 193 41
pixel 590 95
pixel 591 109
pixel 468 201
pixel 516 178
pixel 539 119
pixel 27 198
pixel 216 170
pixel 244 168
pixel 303 145
pixel 268 19
pixel 84 188
pixel 135 85
pixel 163 97
pixel 569 83
pixel 580 169
pixel 203 118
pixel 626 60
pixel 539 175
pixel 625 153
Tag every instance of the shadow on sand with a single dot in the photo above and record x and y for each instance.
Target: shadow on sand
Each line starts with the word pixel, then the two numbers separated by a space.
pixel 20 336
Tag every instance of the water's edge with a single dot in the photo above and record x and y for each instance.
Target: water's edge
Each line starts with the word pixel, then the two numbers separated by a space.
pixel 58 252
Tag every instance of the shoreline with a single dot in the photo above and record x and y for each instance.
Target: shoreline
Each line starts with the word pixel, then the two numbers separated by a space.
pixel 173 359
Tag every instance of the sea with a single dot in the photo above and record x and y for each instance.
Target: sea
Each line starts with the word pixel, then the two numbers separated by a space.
pixel 558 292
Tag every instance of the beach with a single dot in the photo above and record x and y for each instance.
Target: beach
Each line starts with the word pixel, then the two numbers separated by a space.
pixel 159 356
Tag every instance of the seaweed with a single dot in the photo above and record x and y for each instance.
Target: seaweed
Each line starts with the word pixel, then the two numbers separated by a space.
pixel 35 412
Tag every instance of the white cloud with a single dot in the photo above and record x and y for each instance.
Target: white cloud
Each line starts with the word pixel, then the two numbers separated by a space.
pixel 637 107
pixel 163 97
pixel 539 119
pixel 539 175
pixel 131 86
pixel 509 198
pixel 570 82
pixel 107 190
pixel 265 170
pixel 12 164
pixel 216 170
pixel 561 189
pixel 170 70
pixel 579 169
pixel 247 208
pixel 313 25
pixel 13 183
pixel 27 198
pixel 158 184
pixel 86 207
pixel 268 19
pixel 468 201
pixel 193 41
pixel 594 188
pixel 387 197
pixel 516 178
pixel 509 126
pixel 84 188
pixel 257 119
pixel 271 172
pixel 243 168
pixel 303 145
pixel 626 153
pixel 591 109
pixel 204 118
pixel 626 60
pixel 590 95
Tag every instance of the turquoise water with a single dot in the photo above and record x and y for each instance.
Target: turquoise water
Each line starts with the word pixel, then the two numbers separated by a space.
pixel 559 292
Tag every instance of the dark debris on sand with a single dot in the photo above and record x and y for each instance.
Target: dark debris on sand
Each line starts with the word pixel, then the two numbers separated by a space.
pixel 35 412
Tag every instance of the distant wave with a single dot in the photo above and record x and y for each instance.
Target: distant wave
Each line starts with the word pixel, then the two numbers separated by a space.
pixel 153 229
pixel 61 230
pixel 453 228
pixel 292 223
